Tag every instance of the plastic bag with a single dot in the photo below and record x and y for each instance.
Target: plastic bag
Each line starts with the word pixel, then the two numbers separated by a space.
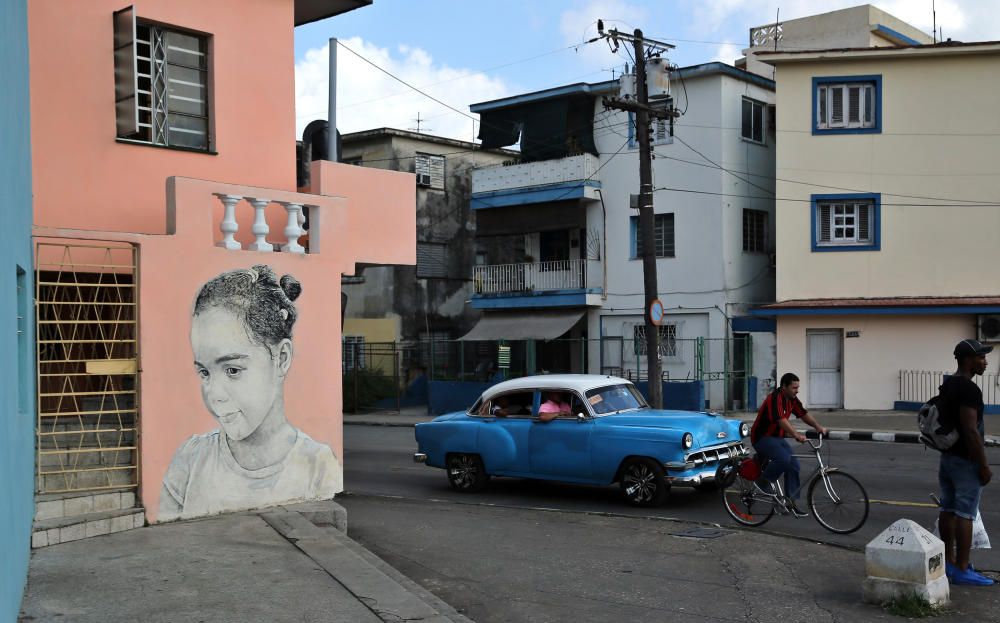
pixel 980 540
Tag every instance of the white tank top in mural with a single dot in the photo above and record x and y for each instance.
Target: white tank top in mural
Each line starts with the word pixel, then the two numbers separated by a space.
pixel 205 479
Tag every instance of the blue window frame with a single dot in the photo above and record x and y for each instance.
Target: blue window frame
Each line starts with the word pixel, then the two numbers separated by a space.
pixel 849 222
pixel 663 234
pixel 847 104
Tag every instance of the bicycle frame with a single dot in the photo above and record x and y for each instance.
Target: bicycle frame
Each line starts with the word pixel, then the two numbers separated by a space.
pixel 820 471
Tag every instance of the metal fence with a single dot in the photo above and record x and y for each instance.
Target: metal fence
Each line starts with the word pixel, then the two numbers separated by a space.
pixel 388 375
pixel 921 385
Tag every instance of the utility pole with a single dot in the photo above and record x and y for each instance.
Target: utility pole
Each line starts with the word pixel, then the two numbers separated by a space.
pixel 642 110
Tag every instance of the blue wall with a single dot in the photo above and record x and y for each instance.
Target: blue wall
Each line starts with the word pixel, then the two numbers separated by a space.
pixel 17 389
pixel 680 395
pixel 448 396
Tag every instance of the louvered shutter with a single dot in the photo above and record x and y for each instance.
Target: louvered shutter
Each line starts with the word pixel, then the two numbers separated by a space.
pixel 432 260
pixel 864 221
pixel 854 104
pixel 662 134
pixel 837 106
pixel 126 73
pixel 824 222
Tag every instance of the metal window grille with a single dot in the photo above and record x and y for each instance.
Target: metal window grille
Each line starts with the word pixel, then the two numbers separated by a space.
pixel 429 170
pixel 755 231
pixel 432 260
pixel 668 339
pixel 845 223
pixel 352 352
pixel 663 232
pixel 161 84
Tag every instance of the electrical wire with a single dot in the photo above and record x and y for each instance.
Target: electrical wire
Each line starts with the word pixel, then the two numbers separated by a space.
pixel 796 200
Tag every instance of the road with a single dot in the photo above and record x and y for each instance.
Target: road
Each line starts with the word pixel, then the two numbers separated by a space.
pixel 898 477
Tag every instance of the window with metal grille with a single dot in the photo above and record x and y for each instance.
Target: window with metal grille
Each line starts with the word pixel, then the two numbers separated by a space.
pixel 753 120
pixel 432 260
pixel 668 339
pixel 661 130
pixel 430 171
pixel 435 344
pixel 353 352
pixel 755 231
pixel 663 233
pixel 847 104
pixel 161 84
pixel 846 222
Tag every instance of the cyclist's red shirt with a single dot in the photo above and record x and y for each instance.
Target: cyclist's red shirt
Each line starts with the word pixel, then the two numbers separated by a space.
pixel 774 409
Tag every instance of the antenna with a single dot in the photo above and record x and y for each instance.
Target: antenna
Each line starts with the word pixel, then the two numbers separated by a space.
pixel 934 18
pixel 777 25
pixel 418 128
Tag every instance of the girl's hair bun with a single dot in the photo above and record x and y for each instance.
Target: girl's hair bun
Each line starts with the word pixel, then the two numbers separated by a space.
pixel 291 287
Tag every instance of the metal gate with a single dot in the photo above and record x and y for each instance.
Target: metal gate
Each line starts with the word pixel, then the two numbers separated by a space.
pixel 86 310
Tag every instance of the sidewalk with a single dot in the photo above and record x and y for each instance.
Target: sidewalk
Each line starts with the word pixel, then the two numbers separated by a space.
pixel 859 425
pixel 279 564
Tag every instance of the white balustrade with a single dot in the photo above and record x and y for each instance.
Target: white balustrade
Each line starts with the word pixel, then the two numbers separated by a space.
pixel 260 228
pixel 293 229
pixel 540 276
pixel 229 225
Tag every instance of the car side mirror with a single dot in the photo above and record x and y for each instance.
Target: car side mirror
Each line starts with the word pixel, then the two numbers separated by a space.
pixel 581 417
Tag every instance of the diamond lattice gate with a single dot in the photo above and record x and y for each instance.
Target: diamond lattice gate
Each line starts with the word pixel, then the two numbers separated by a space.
pixel 87 344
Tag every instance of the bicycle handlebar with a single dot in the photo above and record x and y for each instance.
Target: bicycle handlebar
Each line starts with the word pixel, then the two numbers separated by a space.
pixel 818 444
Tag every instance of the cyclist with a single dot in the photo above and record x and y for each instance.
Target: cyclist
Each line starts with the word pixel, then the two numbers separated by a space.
pixel 768 437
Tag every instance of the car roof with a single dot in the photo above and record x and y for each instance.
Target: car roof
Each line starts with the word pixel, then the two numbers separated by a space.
pixel 579 382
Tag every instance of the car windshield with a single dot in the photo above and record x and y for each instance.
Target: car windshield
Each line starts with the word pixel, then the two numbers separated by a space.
pixel 615 398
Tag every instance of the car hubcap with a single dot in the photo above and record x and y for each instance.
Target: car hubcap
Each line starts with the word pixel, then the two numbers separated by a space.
pixel 640 483
pixel 463 471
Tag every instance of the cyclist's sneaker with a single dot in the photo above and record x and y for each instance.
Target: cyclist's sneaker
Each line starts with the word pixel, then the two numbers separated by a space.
pixel 798 512
pixel 969 577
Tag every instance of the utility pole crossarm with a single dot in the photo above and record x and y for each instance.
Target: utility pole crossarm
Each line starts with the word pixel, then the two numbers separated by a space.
pixel 635 106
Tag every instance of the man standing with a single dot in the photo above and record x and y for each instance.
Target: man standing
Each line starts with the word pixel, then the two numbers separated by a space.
pixel 768 433
pixel 963 471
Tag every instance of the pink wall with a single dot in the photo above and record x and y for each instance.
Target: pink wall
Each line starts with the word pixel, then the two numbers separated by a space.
pixel 104 185
pixel 372 218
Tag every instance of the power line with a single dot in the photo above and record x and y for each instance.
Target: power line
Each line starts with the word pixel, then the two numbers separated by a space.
pixel 791 199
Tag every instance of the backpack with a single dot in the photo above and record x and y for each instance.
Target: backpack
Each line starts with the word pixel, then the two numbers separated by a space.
pixel 937 431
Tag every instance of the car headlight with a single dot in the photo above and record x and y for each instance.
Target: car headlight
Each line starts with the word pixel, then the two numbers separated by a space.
pixel 744 429
pixel 687 441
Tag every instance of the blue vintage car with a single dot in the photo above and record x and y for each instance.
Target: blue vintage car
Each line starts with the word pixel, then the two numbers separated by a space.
pixel 599 430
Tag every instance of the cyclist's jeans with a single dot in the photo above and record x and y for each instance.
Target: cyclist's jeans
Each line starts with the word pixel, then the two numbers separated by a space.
pixel 779 453
pixel 960 487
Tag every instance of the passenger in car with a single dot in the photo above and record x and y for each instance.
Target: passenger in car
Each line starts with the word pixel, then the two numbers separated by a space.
pixel 555 405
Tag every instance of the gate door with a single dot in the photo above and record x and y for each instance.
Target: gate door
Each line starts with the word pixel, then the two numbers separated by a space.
pixel 824 349
pixel 86 315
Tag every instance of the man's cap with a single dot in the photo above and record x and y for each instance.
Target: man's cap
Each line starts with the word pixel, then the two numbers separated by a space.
pixel 971 348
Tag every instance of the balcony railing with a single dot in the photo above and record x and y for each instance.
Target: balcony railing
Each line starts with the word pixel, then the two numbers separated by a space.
pixel 541 173
pixel 537 276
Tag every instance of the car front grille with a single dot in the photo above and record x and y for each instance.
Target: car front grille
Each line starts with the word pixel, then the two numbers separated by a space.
pixel 714 454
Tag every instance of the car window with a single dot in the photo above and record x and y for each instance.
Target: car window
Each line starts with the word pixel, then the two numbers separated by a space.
pixel 615 398
pixel 511 404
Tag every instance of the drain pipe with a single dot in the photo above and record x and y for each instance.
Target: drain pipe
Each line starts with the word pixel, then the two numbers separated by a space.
pixel 604 244
pixel 331 110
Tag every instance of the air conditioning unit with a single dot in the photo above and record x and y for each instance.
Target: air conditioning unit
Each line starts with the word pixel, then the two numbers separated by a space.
pixel 989 327
pixel 423 179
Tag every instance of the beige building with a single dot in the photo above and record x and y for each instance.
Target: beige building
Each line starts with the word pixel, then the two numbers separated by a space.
pixel 888 214
pixel 862 26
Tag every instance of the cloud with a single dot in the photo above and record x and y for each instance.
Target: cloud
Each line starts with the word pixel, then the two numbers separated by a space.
pixel 367 98
pixel 580 24
pixel 727 53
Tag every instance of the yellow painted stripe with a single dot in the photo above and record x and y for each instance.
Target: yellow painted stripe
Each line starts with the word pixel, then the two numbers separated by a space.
pixel 896 503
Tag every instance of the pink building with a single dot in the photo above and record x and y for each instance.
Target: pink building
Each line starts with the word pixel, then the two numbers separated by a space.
pixel 164 168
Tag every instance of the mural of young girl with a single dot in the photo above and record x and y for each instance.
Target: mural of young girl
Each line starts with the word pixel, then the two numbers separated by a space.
pixel 241 335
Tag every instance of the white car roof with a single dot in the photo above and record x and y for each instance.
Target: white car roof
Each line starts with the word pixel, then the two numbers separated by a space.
pixel 579 382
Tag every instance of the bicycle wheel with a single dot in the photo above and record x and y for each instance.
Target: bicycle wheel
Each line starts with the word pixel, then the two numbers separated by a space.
pixel 838 502
pixel 747 503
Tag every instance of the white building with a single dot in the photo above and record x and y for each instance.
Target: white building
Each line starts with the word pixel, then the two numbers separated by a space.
pixel 558 239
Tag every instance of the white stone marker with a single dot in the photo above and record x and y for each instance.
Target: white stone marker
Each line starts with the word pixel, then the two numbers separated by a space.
pixel 903 560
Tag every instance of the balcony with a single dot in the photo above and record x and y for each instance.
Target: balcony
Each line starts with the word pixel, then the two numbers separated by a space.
pixel 562 283
pixel 572 177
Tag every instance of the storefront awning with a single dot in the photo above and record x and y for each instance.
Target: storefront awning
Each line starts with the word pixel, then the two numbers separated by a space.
pixel 528 325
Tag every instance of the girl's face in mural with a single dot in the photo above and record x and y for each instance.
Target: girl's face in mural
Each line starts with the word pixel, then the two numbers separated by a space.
pixel 241 380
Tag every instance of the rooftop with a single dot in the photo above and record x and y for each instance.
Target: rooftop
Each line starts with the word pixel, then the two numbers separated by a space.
pixel 934 49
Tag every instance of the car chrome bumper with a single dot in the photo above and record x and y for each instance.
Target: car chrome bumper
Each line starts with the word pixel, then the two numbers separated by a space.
pixel 704 463
pixel 419 457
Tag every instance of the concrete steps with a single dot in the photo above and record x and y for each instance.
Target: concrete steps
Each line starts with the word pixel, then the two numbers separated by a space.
pixel 60 518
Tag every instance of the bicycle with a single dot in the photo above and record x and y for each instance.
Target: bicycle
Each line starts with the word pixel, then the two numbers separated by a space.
pixel 836 499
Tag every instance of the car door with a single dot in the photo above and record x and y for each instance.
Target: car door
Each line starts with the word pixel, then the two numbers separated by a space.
pixel 560 448
pixel 504 433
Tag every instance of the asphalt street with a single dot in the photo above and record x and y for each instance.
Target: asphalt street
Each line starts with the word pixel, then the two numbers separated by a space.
pixel 898 477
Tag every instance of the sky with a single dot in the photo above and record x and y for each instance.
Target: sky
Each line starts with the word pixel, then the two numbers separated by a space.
pixel 462 52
